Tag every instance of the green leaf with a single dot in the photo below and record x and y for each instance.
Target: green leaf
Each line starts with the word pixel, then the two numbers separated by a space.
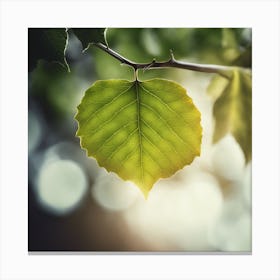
pixel 230 44
pixel 48 44
pixel 90 35
pixel 233 108
pixel 217 86
pixel 142 131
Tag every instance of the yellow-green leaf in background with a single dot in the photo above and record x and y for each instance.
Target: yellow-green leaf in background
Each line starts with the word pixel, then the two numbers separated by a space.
pixel 141 130
pixel 233 108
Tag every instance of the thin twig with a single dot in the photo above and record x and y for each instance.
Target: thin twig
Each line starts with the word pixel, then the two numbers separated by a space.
pixel 172 62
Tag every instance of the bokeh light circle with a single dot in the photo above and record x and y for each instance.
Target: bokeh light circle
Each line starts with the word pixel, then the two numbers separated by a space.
pixel 61 186
pixel 114 194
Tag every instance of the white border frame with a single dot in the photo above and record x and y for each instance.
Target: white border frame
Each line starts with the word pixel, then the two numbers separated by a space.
pixel 17 16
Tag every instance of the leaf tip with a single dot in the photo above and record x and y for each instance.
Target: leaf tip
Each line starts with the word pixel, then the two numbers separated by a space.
pixel 145 193
pixel 145 189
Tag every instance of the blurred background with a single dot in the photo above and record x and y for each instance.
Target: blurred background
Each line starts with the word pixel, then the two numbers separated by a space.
pixel 74 205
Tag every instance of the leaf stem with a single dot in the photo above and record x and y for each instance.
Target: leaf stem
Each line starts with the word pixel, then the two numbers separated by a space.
pixel 172 62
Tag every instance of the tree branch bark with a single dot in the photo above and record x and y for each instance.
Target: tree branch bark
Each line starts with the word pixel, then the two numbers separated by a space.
pixel 172 62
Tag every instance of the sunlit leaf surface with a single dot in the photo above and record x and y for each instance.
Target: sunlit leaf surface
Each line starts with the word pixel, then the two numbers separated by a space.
pixel 233 108
pixel 142 131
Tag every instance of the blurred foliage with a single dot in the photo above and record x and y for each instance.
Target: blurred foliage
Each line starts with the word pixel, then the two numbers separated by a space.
pixel 206 45
pixel 233 108
pixel 57 91
pixel 228 46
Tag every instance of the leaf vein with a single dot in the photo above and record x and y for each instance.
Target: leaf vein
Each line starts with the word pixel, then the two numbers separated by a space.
pixel 139 129
pixel 160 166
pixel 165 104
pixel 108 139
pixel 123 143
pixel 113 116
pixel 168 142
pixel 106 104
pixel 170 128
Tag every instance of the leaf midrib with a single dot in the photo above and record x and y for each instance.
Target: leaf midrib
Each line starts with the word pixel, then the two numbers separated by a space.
pixel 138 101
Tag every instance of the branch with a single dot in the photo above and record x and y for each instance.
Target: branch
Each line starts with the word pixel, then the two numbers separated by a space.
pixel 172 62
